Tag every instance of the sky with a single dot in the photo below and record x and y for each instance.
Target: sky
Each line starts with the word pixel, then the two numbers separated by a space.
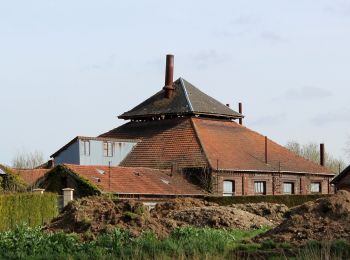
pixel 69 68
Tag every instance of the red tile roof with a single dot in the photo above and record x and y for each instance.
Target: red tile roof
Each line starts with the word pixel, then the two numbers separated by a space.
pixel 201 142
pixel 30 176
pixel 239 148
pixel 163 142
pixel 131 180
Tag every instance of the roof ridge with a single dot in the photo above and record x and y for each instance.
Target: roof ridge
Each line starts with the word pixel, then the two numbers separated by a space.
pixel 186 94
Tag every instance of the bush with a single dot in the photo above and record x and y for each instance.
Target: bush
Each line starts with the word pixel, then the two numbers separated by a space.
pixel 30 208
pixel 288 200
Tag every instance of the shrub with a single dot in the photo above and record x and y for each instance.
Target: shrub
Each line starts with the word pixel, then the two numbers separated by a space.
pixel 31 208
pixel 288 200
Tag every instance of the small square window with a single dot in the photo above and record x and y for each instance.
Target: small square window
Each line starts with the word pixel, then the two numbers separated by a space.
pixel 288 188
pixel 315 187
pixel 260 187
pixel 229 188
pixel 108 149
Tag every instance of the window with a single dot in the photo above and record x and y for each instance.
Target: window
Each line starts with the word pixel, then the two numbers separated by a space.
pixel 288 188
pixel 86 148
pixel 260 187
pixel 229 188
pixel 315 187
pixel 107 149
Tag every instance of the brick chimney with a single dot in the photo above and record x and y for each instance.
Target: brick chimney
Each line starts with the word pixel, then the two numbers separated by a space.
pixel 169 74
pixel 240 110
pixel 322 154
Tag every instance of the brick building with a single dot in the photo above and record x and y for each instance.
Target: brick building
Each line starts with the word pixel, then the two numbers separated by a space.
pixel 342 181
pixel 183 128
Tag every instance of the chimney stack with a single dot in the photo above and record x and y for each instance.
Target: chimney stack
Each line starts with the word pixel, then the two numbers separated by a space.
pixel 266 149
pixel 240 120
pixel 322 154
pixel 169 74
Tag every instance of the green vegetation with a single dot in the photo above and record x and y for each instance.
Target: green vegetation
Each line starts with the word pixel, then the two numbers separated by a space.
pixel 183 243
pixel 52 182
pixel 288 200
pixel 32 243
pixel 11 181
pixel 31 208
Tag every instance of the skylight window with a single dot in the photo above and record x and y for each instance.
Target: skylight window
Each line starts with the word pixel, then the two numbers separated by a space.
pixel 165 181
pixel 100 171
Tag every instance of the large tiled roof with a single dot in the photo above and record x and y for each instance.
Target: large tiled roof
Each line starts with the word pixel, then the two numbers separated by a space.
pixel 186 100
pixel 136 180
pixel 230 146
pixel 202 142
pixel 164 142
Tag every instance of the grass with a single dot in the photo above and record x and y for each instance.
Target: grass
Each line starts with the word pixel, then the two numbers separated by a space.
pixel 194 243
pixel 183 243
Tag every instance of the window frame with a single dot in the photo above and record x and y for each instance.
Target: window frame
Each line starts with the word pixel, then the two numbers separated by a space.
pixel 258 185
pixel 84 142
pixel 228 194
pixel 319 187
pixel 292 187
pixel 108 149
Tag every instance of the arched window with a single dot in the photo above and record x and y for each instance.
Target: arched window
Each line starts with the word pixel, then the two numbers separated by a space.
pixel 229 188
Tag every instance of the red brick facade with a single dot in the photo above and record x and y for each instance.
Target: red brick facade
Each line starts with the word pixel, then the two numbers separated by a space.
pixel 274 183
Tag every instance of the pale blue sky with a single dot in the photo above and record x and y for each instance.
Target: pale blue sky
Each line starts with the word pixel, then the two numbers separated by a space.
pixel 68 68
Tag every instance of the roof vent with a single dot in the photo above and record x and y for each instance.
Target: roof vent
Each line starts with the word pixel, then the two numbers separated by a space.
pixel 165 181
pixel 97 179
pixel 169 76
pixel 100 171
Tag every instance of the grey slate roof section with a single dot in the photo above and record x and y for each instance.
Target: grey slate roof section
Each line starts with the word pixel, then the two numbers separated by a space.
pixel 186 100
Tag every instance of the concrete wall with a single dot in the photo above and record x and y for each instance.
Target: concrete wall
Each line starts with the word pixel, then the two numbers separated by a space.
pixel 244 183
pixel 69 155
pixel 96 157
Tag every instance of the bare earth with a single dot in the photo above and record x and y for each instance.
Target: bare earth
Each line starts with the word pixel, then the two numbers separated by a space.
pixel 322 219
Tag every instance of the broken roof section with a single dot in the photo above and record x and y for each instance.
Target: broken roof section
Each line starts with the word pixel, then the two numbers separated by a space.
pixel 186 100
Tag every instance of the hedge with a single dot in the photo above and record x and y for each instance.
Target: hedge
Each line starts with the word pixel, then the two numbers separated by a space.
pixel 31 208
pixel 289 200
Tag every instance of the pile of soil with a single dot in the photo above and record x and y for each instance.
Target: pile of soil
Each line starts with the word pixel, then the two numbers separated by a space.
pixel 90 216
pixel 162 209
pixel 93 215
pixel 322 219
pixel 218 217
pixel 272 211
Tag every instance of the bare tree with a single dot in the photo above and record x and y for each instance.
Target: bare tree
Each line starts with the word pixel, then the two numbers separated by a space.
pixel 311 152
pixel 27 160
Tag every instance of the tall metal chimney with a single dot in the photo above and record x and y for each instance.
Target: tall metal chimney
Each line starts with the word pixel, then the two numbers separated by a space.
pixel 169 74
pixel 240 120
pixel 322 154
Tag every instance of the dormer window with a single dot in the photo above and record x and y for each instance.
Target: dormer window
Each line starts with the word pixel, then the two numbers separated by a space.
pixel 86 148
pixel 108 149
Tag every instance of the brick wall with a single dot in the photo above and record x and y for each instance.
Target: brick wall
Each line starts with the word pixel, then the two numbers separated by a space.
pixel 274 183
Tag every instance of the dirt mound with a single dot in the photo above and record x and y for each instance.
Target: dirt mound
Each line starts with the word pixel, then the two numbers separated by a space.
pixel 162 209
pixel 323 219
pixel 93 215
pixel 273 212
pixel 218 217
